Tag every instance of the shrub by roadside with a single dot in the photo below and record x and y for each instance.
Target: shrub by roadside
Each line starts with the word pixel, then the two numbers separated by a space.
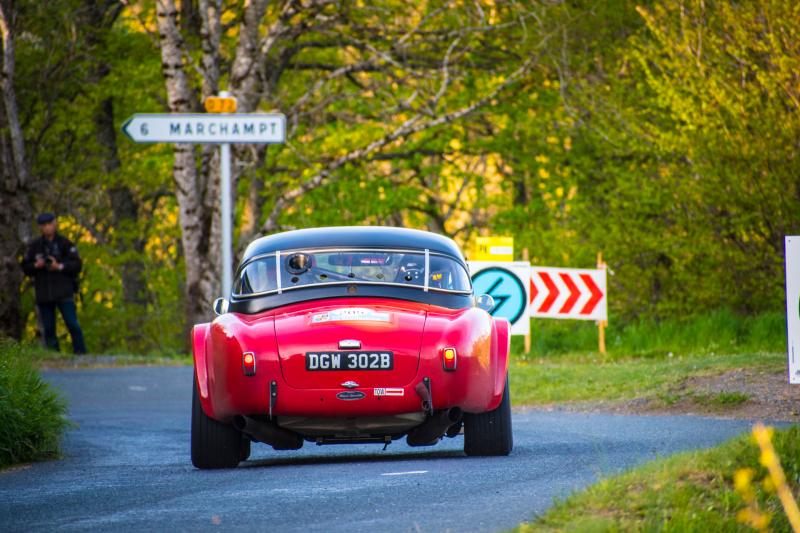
pixel 31 413
pixel 706 490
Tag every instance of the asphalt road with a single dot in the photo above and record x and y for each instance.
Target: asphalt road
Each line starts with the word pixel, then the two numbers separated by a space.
pixel 127 468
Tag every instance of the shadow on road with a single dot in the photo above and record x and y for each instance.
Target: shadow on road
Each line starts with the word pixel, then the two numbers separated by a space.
pixel 351 458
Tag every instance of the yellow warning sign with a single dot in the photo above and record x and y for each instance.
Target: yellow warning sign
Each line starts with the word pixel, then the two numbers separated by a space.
pixel 494 249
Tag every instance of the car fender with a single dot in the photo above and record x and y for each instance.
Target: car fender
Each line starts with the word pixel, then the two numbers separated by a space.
pixel 482 358
pixel 501 347
pixel 230 391
pixel 199 351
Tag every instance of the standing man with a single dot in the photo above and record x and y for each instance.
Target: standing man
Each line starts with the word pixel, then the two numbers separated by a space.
pixel 53 262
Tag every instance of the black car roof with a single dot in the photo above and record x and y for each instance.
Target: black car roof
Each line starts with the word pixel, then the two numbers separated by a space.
pixel 353 237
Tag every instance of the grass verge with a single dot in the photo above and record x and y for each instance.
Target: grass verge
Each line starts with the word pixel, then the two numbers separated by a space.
pixel 579 377
pixel 31 413
pixel 717 332
pixel 48 360
pixel 688 492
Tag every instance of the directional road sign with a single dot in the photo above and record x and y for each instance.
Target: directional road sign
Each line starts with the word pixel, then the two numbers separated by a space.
pixel 575 293
pixel 793 306
pixel 508 283
pixel 249 128
pixel 254 128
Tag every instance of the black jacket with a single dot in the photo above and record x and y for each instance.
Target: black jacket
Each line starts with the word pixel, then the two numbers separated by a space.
pixel 53 286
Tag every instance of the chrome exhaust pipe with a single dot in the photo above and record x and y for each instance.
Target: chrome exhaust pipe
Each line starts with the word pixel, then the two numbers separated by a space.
pixel 434 427
pixel 268 433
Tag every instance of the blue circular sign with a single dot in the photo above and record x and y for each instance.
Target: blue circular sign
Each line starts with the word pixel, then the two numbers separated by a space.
pixel 506 289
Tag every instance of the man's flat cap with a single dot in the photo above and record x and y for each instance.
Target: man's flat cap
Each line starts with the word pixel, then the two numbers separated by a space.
pixel 44 218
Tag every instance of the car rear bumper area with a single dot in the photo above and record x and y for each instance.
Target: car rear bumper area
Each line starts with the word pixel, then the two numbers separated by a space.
pixel 235 380
pixel 276 398
pixel 231 393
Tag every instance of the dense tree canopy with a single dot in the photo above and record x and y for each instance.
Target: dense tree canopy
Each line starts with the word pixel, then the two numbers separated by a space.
pixel 664 134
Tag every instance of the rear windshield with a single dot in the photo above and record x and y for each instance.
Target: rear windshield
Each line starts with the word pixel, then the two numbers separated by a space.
pixel 286 270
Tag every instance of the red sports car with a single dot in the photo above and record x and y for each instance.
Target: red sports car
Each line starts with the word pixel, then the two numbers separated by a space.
pixel 350 335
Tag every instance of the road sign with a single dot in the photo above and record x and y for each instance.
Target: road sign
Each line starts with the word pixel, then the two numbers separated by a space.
pixel 494 249
pixel 251 128
pixel 508 284
pixel 793 306
pixel 574 293
pixel 246 128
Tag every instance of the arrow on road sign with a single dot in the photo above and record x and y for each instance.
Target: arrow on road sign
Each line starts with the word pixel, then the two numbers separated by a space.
pixel 574 293
pixel 552 292
pixel 499 299
pixel 568 293
pixel 597 294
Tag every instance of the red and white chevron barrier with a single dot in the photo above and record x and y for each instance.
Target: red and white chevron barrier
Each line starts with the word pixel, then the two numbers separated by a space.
pixel 574 293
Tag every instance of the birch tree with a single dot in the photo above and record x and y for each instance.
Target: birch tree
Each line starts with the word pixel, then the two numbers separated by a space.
pixel 15 214
pixel 410 70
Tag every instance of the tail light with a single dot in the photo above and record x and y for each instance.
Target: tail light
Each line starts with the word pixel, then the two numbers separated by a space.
pixel 449 359
pixel 249 363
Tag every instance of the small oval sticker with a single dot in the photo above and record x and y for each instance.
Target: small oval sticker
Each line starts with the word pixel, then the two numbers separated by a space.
pixel 351 395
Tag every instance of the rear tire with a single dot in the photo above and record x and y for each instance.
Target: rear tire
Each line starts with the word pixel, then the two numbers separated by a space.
pixel 490 433
pixel 214 444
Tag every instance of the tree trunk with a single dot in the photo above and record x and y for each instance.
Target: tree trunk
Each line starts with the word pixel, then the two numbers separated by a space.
pixel 15 216
pixel 14 233
pixel 264 48
pixel 194 189
pixel 125 213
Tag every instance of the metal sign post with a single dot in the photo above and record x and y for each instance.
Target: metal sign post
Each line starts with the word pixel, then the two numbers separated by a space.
pixel 793 306
pixel 221 127
pixel 226 212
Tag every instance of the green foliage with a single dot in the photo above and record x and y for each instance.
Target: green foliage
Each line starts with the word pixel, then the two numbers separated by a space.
pixel 722 399
pixel 662 134
pixel 692 491
pixel 590 377
pixel 31 413
pixel 646 359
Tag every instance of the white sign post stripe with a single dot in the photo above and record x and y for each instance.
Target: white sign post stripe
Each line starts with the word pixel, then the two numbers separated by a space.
pixel 793 306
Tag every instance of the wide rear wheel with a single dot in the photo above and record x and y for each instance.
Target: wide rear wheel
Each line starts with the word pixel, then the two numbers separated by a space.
pixel 214 444
pixel 490 433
